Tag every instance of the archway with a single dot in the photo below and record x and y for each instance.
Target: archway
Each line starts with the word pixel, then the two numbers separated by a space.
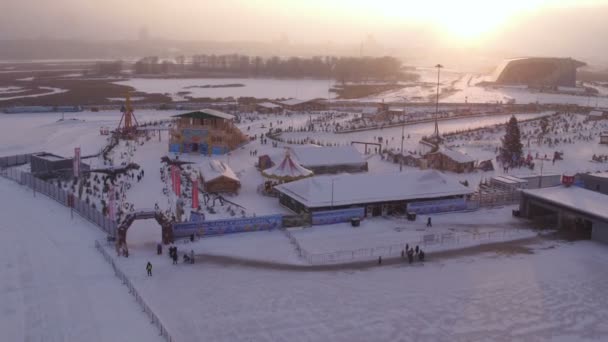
pixel 164 222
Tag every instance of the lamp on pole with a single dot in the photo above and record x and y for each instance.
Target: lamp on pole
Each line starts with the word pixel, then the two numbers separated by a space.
pixel 438 66
pixel 332 192
pixel 402 135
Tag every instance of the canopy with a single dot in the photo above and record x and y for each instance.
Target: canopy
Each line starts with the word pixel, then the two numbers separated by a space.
pixel 287 170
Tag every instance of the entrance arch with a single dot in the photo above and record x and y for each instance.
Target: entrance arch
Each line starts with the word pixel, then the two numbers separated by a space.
pixel 164 222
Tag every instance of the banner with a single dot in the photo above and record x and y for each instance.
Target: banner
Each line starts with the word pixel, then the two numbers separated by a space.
pixel 76 162
pixel 195 194
pixel 228 226
pixel 178 181
pixel 336 216
pixel 437 206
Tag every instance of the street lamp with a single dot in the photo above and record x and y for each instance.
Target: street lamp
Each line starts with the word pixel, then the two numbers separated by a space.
pixel 438 66
pixel 402 134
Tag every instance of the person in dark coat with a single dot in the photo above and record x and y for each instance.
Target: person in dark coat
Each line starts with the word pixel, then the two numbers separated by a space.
pixel 416 250
pixel 421 255
pixel 428 222
pixel 410 255
pixel 159 249
pixel 149 269
pixel 379 260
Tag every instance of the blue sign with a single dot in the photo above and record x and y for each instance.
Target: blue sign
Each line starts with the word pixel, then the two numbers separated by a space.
pixel 196 217
pixel 336 216
pixel 437 206
pixel 228 226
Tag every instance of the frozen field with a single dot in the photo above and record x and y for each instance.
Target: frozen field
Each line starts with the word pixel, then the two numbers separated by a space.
pixel 260 88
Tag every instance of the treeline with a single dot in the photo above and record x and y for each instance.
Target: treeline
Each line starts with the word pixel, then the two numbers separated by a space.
pixel 342 69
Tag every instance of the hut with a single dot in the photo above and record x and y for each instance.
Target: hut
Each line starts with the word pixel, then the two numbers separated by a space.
pixel 446 159
pixel 217 176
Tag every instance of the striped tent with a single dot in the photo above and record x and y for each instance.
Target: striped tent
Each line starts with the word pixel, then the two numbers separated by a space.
pixel 287 170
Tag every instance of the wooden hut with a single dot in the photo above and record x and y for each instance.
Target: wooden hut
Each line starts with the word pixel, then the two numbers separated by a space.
pixel 217 176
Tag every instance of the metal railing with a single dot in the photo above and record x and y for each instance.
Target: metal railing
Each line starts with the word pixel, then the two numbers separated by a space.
pixel 429 242
pixel 132 290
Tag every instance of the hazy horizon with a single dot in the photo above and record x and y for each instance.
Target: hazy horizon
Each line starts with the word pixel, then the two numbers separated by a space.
pixel 414 29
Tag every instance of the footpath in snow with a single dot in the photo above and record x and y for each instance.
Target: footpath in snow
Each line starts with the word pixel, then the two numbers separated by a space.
pixel 54 285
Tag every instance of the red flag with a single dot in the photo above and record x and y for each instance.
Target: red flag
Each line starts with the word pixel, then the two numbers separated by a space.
pixel 195 194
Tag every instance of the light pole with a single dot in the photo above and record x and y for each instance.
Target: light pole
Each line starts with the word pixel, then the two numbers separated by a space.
pixel 438 66
pixel 402 136
pixel 332 193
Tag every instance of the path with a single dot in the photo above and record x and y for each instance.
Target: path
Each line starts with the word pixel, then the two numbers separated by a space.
pixel 54 285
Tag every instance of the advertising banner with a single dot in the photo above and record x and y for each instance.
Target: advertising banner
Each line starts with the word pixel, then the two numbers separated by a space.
pixel 336 216
pixel 437 206
pixel 195 194
pixel 228 226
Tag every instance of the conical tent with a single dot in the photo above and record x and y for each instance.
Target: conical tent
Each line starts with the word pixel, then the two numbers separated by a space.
pixel 287 170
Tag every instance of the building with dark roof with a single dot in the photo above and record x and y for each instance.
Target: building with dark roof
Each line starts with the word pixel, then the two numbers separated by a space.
pixel 538 72
pixel 207 131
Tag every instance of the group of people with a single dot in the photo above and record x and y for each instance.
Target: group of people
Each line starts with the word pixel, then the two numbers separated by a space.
pixel 253 153
pixel 409 253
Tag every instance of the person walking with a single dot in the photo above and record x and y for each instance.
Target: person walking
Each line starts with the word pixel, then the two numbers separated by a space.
pixel 149 269
pixel 428 222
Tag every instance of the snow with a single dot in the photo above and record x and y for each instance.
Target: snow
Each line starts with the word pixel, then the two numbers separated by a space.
pixel 311 156
pixel 54 285
pixel 583 200
pixel 50 91
pixel 213 169
pixel 255 87
pixel 293 102
pixel 539 291
pixel 253 286
pixel 268 105
pixel 347 189
pixel 457 156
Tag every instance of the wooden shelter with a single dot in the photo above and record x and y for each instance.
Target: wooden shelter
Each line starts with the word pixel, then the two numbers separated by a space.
pixel 216 176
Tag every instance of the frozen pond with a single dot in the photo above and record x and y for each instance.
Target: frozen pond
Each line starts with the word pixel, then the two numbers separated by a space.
pixel 255 87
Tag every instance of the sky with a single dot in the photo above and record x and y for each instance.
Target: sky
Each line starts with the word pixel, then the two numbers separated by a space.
pixel 526 27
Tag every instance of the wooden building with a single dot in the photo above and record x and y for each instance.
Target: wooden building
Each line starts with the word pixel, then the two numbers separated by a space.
pixel 449 160
pixel 216 176
pixel 406 158
pixel 208 132
pixel 604 138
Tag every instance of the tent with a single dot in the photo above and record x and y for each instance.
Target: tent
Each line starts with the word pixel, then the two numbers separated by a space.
pixel 287 170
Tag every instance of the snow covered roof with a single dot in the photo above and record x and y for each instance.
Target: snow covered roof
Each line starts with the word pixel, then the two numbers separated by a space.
pixel 205 113
pixel 369 110
pixel 49 156
pixel 596 113
pixel 311 156
pixel 576 198
pixel 213 169
pixel 287 169
pixel 456 156
pixel 362 188
pixel 509 179
pixel 598 175
pixel 269 105
pixel 294 102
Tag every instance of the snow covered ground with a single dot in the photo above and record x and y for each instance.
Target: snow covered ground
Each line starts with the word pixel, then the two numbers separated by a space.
pixel 49 91
pixel 549 290
pixel 254 287
pixel 54 285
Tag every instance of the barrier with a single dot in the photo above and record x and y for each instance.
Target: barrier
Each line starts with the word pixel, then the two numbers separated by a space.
pixel 61 196
pixel 336 216
pixel 132 290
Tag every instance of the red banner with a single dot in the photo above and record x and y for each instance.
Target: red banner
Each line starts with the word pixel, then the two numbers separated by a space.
pixel 195 194
pixel 175 177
